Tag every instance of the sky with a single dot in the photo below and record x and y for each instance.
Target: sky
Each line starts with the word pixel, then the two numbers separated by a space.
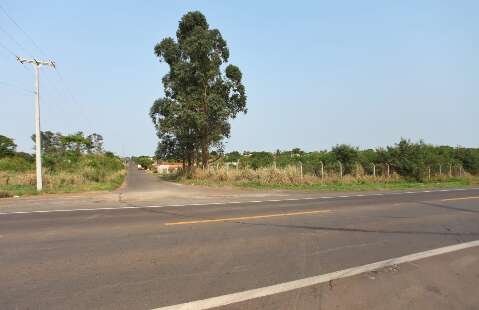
pixel 317 73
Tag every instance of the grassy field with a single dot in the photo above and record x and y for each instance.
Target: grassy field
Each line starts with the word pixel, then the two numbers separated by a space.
pixel 88 173
pixel 291 179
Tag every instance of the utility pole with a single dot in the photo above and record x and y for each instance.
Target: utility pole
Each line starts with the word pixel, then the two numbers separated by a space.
pixel 38 143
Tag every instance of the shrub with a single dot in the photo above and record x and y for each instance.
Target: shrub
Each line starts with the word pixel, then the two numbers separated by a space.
pixel 16 164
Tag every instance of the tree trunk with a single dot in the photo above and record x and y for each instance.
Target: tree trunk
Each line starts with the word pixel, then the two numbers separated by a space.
pixel 204 149
pixel 204 132
pixel 189 157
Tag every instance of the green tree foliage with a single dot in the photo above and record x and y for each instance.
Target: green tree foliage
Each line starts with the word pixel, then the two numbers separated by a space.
pixel 260 159
pixel 144 161
pixel 53 143
pixel 200 99
pixel 7 146
pixel 347 155
pixel 70 153
pixel 232 156
pixel 408 159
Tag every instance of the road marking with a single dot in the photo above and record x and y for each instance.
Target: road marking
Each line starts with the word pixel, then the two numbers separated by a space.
pixel 228 219
pixel 225 300
pixel 222 203
pixel 461 198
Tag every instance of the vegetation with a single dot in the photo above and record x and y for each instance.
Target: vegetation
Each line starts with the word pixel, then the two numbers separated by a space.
pixel 144 161
pixel 71 163
pixel 399 166
pixel 200 98
pixel 7 146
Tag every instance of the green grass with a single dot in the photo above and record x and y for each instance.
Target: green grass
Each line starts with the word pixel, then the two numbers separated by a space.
pixel 400 185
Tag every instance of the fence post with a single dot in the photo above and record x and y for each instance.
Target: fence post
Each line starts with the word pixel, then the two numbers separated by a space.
pixel 322 171
pixel 374 169
pixel 340 169
pixel 429 173
pixel 440 170
pixel 274 164
pixel 388 169
pixel 237 165
pixel 301 171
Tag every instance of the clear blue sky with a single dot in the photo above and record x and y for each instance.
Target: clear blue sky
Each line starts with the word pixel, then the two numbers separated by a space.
pixel 318 73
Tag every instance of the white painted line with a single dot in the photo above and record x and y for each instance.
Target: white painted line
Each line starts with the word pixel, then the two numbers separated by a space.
pixel 225 300
pixel 223 203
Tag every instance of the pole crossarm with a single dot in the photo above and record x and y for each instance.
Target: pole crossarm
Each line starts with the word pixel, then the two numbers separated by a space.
pixel 36 62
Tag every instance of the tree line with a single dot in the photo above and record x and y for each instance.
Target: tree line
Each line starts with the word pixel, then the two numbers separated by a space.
pixel 59 151
pixel 76 142
pixel 408 159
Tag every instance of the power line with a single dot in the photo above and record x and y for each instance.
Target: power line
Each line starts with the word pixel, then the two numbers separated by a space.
pixel 63 84
pixel 16 87
pixel 8 50
pixel 14 40
pixel 21 29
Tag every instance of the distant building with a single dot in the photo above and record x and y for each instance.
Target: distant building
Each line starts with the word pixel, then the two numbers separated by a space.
pixel 166 168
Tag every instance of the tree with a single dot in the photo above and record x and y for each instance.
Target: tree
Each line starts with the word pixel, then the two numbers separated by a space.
pixel 95 144
pixel 200 98
pixel 7 146
pixel 347 155
pixel 410 159
pixel 51 142
pixel 145 162
pixel 76 142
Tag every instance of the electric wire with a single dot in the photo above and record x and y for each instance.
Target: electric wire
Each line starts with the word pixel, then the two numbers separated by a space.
pixel 66 92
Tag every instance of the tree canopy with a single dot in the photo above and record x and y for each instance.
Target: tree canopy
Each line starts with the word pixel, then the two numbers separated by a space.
pixel 77 142
pixel 7 146
pixel 200 98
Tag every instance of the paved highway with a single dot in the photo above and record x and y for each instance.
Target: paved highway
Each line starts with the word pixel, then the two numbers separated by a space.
pixel 117 255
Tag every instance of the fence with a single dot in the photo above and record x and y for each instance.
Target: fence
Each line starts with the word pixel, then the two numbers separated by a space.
pixel 335 172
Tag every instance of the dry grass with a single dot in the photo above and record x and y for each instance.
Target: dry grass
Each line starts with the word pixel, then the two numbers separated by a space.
pixel 283 176
pixel 24 182
pixel 290 178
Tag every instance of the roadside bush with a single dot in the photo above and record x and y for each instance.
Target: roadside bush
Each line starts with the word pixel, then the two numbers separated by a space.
pixel 16 164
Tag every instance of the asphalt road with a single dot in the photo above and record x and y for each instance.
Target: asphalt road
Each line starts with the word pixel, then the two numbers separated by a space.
pixel 150 256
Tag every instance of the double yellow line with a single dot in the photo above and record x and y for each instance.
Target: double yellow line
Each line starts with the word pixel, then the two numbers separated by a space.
pixel 229 219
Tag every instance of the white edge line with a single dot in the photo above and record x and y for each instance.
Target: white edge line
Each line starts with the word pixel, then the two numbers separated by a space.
pixel 226 203
pixel 293 285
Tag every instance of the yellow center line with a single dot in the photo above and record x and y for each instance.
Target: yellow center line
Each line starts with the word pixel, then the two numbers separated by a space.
pixel 461 198
pixel 246 217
